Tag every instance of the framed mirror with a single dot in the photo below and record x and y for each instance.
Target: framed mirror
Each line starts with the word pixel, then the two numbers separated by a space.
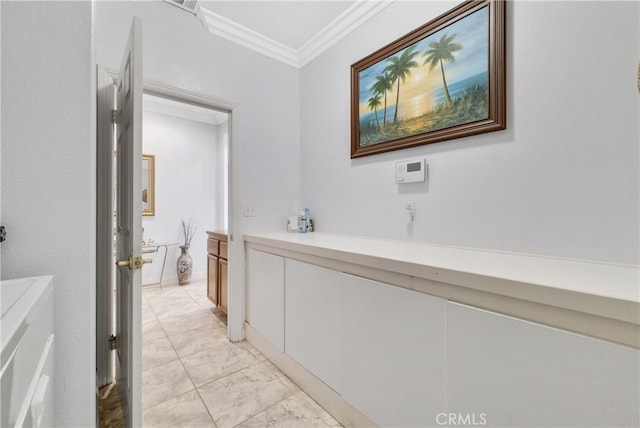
pixel 148 190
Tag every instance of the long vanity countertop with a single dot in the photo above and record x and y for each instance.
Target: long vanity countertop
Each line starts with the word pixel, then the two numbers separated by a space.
pixel 605 290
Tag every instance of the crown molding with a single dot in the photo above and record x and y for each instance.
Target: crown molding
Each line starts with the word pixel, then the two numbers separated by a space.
pixel 357 14
pixel 360 12
pixel 244 36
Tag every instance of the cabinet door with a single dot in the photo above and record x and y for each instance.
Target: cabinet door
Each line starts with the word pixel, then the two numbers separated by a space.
pixel 520 373
pixel 392 348
pixel 312 319
pixel 265 296
pixel 222 284
pixel 212 278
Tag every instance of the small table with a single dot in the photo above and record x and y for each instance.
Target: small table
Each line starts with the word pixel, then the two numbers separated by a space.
pixel 153 247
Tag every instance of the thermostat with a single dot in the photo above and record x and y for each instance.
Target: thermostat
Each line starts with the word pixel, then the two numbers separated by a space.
pixel 410 171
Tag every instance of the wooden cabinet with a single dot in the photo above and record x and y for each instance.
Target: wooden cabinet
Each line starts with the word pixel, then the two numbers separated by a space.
pixel 212 278
pixel 222 284
pixel 217 269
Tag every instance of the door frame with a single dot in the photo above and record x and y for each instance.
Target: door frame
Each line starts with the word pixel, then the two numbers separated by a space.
pixel 105 257
pixel 104 229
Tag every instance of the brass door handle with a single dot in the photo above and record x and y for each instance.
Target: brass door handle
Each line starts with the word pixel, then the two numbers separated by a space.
pixel 133 263
pixel 125 262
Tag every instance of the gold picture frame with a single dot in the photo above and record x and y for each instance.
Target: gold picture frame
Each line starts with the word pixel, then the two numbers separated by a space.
pixel 148 185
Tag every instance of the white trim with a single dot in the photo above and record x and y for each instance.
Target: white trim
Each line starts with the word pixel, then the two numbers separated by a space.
pixel 182 110
pixel 104 227
pixel 236 307
pixel 354 16
pixel 244 36
pixel 236 291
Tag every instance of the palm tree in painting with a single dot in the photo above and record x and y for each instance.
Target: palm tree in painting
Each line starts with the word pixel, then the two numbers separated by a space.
pixel 399 68
pixel 382 86
pixel 373 103
pixel 439 52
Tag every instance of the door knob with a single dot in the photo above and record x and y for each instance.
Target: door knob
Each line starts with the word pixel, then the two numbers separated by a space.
pixel 125 262
pixel 133 263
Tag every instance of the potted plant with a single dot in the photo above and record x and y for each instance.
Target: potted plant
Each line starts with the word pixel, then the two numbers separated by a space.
pixel 185 262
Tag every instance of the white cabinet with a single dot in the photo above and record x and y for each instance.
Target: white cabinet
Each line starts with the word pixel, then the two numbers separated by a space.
pixel 27 373
pixel 392 352
pixel 265 296
pixel 312 319
pixel 520 373
pixel 393 356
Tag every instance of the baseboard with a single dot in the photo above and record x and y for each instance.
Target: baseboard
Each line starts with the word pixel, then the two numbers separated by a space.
pixel 315 388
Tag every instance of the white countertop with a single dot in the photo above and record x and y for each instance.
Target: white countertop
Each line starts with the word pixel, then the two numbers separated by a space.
pixel 18 297
pixel 609 290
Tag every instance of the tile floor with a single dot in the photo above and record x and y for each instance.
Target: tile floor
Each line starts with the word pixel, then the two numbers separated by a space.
pixel 193 376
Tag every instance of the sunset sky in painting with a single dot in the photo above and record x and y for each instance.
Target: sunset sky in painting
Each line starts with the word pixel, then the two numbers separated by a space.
pixel 416 92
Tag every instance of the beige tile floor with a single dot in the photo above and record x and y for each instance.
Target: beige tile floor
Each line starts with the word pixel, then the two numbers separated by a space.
pixel 193 376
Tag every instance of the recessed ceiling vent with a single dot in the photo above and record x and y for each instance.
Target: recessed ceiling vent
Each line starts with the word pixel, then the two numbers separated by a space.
pixel 188 5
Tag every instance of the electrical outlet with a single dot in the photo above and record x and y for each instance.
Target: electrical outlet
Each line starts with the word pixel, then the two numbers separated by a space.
pixel 409 212
pixel 249 210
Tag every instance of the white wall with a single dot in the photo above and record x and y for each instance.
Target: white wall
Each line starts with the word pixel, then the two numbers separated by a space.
pixel 562 180
pixel 49 179
pixel 266 91
pixel 187 181
pixel 265 123
pixel 1 223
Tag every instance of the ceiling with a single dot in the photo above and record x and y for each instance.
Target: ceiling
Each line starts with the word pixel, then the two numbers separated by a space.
pixel 291 31
pixel 291 23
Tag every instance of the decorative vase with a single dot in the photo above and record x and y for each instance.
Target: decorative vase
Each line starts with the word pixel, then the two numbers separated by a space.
pixel 185 266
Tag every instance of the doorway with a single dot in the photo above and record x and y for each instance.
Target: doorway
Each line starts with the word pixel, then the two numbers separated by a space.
pixel 105 262
pixel 186 148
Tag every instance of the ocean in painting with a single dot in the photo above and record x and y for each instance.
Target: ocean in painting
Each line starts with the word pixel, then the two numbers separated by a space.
pixel 456 90
pixel 369 119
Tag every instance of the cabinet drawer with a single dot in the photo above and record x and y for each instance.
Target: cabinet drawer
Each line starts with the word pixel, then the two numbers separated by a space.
pixel 212 247
pixel 223 250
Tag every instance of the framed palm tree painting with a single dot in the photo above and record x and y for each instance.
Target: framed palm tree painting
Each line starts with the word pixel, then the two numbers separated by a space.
pixel 442 81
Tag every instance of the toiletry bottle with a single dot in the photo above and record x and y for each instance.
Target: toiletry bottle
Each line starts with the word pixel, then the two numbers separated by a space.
pixel 307 216
pixel 302 221
pixel 307 219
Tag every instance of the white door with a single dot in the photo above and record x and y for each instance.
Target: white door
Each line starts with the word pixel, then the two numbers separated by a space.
pixel 129 227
